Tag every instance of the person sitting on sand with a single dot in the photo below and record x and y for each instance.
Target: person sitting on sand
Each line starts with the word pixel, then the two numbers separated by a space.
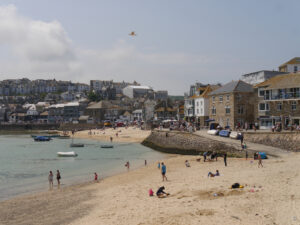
pixel 187 164
pixel 210 174
pixel 160 192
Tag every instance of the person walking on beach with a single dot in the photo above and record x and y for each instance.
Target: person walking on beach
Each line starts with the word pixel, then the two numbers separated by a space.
pixel 259 161
pixel 242 139
pixel 163 171
pixel 50 179
pixel 58 177
pixel 145 162
pixel 111 139
pixel 158 165
pixel 225 159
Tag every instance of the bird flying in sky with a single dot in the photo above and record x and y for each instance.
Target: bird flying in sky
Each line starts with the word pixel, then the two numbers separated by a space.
pixel 132 34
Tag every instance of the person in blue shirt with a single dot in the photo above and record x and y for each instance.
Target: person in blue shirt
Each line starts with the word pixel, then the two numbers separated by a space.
pixel 163 171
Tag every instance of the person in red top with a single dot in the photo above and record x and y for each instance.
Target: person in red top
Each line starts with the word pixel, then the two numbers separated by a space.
pixel 96 177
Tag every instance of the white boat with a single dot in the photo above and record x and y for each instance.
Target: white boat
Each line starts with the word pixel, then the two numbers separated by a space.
pixel 66 154
pixel 234 135
pixel 212 132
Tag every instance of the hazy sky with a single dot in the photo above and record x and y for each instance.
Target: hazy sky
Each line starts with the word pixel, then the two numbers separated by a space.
pixel 178 42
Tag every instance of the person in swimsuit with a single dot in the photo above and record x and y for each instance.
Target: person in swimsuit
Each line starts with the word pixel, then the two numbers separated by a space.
pixel 163 171
pixel 58 177
pixel 50 179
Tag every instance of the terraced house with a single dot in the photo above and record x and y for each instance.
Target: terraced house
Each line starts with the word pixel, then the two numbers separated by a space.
pixel 279 101
pixel 232 104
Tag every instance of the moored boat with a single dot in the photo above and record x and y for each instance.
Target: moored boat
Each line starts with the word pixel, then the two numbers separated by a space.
pixel 42 138
pixel 106 146
pixel 67 154
pixel 72 145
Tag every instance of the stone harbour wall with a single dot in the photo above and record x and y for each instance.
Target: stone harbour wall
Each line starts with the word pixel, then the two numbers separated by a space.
pixel 285 140
pixel 187 144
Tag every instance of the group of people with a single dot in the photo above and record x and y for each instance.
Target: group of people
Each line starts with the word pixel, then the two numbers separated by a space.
pixel 50 179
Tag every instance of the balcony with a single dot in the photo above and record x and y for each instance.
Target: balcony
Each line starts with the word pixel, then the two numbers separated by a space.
pixel 264 113
pixel 283 96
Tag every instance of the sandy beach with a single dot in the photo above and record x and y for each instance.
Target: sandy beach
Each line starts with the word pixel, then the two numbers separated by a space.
pixel 270 196
pixel 130 134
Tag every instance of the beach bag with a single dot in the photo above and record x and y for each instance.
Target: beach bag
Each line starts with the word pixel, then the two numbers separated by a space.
pixel 151 192
pixel 235 185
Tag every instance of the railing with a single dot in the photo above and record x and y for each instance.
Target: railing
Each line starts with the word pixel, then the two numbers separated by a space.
pixel 287 95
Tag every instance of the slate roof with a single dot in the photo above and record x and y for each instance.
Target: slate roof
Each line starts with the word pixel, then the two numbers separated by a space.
pixel 290 80
pixel 233 86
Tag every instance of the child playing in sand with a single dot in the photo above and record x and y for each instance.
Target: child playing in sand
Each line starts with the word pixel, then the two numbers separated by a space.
pixel 187 164
pixel 160 192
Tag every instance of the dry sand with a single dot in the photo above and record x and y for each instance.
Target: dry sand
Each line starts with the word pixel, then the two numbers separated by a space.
pixel 123 199
pixel 130 134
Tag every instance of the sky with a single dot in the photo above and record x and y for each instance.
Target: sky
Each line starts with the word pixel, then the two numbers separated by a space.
pixel 178 42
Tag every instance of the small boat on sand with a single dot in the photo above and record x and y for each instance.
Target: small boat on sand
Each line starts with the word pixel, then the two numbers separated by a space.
pixel 66 154
pixel 106 146
pixel 212 132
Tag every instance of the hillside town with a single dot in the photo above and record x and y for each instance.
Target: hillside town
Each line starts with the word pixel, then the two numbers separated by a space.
pixel 258 100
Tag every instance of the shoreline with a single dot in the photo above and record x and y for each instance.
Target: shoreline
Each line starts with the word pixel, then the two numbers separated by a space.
pixel 123 198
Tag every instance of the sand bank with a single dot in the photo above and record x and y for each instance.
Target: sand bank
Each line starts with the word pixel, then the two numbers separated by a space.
pixel 194 198
pixel 131 134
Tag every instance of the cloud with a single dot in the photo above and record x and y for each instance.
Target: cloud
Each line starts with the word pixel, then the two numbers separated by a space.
pixel 38 49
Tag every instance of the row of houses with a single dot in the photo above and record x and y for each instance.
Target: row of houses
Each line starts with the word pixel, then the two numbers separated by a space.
pixel 263 98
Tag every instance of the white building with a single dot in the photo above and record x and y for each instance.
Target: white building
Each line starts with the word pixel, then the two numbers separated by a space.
pixel 259 76
pixel 137 91
pixel 292 66
pixel 137 115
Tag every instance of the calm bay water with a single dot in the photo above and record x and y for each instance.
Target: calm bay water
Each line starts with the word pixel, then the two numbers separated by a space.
pixel 25 164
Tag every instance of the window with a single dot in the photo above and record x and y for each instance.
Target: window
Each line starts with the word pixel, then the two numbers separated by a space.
pixel 201 103
pixel 221 98
pixel 213 98
pixel 201 111
pixel 227 109
pixel 294 105
pixel 213 110
pixel 295 69
pixel 227 97
pixel 227 122
pixel 263 107
pixel 197 111
pixel 241 109
pixel 197 103
pixel 279 106
pixel 261 93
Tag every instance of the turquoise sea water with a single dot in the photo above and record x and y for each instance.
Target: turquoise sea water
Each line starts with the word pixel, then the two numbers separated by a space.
pixel 25 164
